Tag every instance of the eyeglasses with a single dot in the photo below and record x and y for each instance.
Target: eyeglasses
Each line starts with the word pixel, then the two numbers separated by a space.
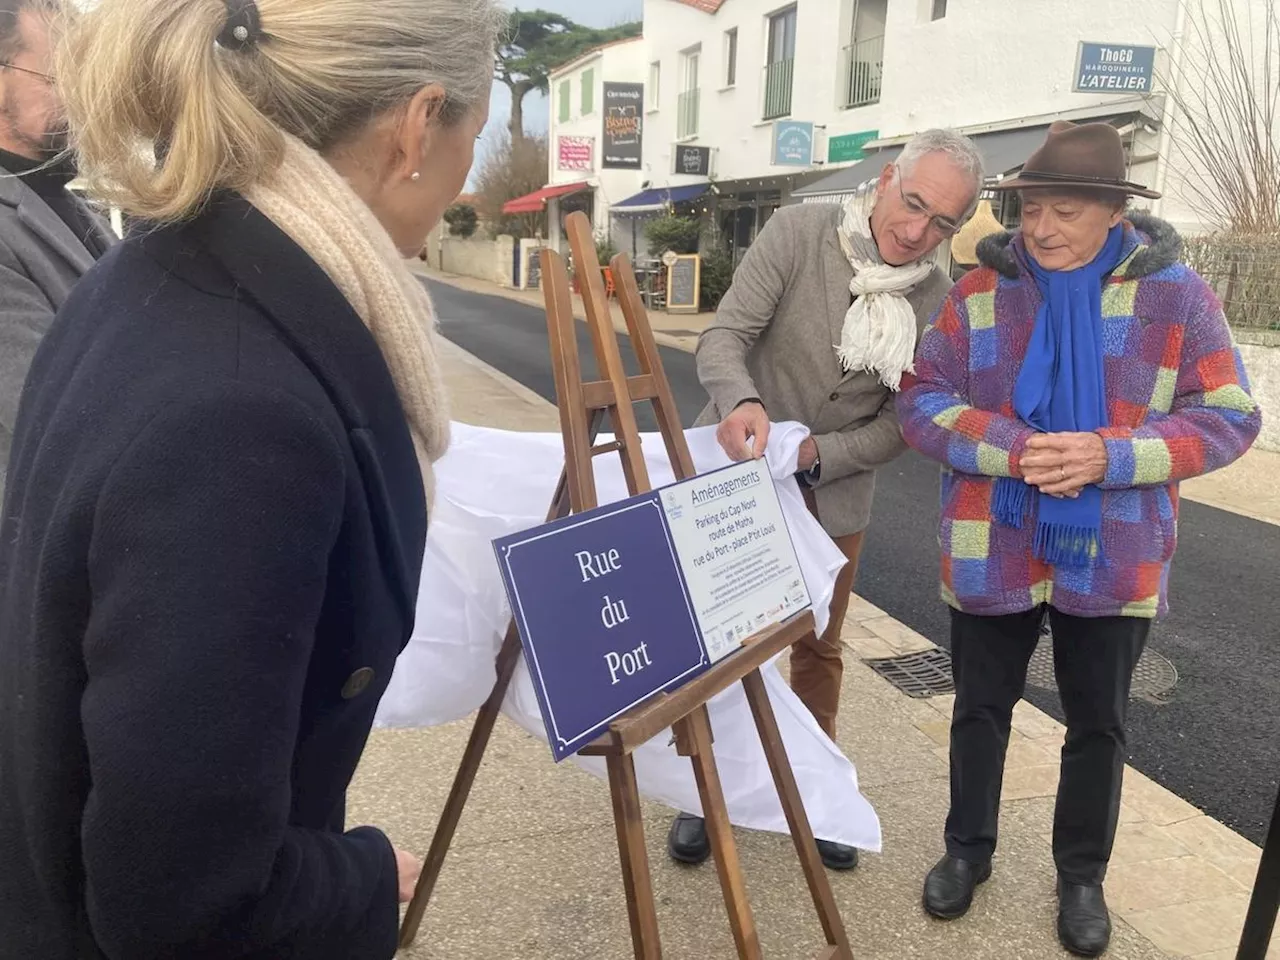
pixel 916 207
pixel 35 73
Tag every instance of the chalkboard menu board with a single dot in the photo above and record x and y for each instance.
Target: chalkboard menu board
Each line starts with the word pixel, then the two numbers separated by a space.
pixel 683 282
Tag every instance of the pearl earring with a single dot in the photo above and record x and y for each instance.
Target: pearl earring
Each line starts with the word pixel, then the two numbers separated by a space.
pixel 415 175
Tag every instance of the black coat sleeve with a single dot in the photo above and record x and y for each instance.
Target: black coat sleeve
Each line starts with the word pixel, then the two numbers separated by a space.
pixel 211 542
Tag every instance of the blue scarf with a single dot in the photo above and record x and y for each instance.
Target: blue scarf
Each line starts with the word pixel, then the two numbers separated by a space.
pixel 1060 389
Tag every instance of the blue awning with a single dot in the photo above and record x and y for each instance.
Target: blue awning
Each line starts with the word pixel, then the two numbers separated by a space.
pixel 656 198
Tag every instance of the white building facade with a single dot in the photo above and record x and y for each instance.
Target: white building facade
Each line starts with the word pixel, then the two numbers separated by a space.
pixel 784 95
pixel 589 101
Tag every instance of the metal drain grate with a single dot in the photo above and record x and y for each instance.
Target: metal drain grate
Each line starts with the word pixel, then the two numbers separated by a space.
pixel 923 674
pixel 928 673
pixel 1154 678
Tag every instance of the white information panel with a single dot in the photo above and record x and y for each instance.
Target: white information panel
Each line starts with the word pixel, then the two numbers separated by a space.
pixel 735 552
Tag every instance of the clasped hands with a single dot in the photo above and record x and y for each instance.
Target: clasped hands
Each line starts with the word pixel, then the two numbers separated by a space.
pixel 1059 464
pixel 1062 464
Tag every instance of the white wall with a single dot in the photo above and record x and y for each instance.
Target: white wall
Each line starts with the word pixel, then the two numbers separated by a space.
pixel 483 259
pixel 729 119
pixel 982 62
pixel 617 63
pixel 975 66
pixel 1025 69
pixel 986 62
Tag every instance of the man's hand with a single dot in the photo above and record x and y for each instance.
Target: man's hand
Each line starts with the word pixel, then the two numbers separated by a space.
pixel 808 453
pixel 407 867
pixel 747 422
pixel 1061 464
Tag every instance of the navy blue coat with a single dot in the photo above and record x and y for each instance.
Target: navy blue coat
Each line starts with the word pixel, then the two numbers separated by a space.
pixel 211 543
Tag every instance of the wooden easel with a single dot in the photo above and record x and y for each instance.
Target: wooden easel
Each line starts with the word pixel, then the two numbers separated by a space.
pixel 582 406
pixel 1264 904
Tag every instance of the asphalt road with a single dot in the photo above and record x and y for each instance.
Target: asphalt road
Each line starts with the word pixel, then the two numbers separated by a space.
pixel 1216 742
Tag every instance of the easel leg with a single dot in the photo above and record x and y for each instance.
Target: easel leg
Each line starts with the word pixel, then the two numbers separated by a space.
pixel 505 668
pixel 635 861
pixel 1255 938
pixel 695 732
pixel 792 805
pixel 508 657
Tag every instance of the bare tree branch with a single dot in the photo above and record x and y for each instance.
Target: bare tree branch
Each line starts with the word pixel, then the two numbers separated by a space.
pixel 1226 87
pixel 509 169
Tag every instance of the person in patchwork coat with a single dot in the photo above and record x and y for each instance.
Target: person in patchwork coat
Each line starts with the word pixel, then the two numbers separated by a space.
pixel 1066 386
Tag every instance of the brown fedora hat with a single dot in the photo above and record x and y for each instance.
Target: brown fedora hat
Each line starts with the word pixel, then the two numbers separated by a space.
pixel 1086 155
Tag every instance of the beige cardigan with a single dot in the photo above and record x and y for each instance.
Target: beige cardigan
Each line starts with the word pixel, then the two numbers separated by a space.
pixel 774 337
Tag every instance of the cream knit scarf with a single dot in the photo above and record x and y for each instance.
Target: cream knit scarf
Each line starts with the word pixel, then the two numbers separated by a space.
pixel 316 207
pixel 879 334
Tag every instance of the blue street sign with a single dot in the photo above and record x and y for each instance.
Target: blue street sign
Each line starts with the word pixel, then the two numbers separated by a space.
pixel 1114 68
pixel 604 614
pixel 792 143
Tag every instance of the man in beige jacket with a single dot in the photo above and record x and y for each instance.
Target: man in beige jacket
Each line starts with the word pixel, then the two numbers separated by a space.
pixel 818 327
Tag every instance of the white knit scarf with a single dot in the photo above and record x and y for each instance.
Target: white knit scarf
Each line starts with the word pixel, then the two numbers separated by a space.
pixel 879 334
pixel 312 203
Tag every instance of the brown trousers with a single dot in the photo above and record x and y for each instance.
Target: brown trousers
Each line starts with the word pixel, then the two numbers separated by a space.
pixel 817 663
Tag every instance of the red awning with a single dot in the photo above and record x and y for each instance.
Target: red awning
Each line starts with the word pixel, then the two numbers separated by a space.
pixel 536 201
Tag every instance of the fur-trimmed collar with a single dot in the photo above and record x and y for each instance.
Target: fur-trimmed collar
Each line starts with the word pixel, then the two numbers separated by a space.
pixel 1161 246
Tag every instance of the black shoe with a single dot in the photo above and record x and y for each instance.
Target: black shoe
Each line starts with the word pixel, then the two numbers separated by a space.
pixel 836 856
pixel 1084 924
pixel 948 889
pixel 687 841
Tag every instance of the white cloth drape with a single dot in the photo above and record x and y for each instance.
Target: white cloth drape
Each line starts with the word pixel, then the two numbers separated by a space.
pixel 493 483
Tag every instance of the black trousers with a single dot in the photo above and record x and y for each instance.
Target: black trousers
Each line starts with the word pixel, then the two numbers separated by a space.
pixel 1093 661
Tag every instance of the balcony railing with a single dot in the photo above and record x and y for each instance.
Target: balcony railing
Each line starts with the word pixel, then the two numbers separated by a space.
pixel 864 66
pixel 687 114
pixel 777 89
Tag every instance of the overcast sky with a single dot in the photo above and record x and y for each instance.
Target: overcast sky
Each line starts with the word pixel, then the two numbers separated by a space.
pixel 591 13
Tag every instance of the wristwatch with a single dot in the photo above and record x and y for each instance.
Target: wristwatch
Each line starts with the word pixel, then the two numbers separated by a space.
pixel 811 476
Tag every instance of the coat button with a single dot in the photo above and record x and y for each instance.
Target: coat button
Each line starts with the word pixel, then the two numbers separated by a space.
pixel 357 683
pixel 834 397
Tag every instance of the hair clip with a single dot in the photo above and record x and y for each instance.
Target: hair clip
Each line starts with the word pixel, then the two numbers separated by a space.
pixel 243 28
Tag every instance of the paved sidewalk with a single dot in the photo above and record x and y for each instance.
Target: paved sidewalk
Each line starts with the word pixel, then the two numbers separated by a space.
pixel 534 872
pixel 1247 487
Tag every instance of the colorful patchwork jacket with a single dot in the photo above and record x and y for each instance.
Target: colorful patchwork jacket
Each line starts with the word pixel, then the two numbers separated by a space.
pixel 1178 406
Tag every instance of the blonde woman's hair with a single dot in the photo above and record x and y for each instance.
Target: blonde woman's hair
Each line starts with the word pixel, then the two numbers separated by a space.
pixel 161 115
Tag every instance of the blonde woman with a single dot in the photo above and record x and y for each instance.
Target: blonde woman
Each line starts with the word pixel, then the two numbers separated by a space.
pixel 221 478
